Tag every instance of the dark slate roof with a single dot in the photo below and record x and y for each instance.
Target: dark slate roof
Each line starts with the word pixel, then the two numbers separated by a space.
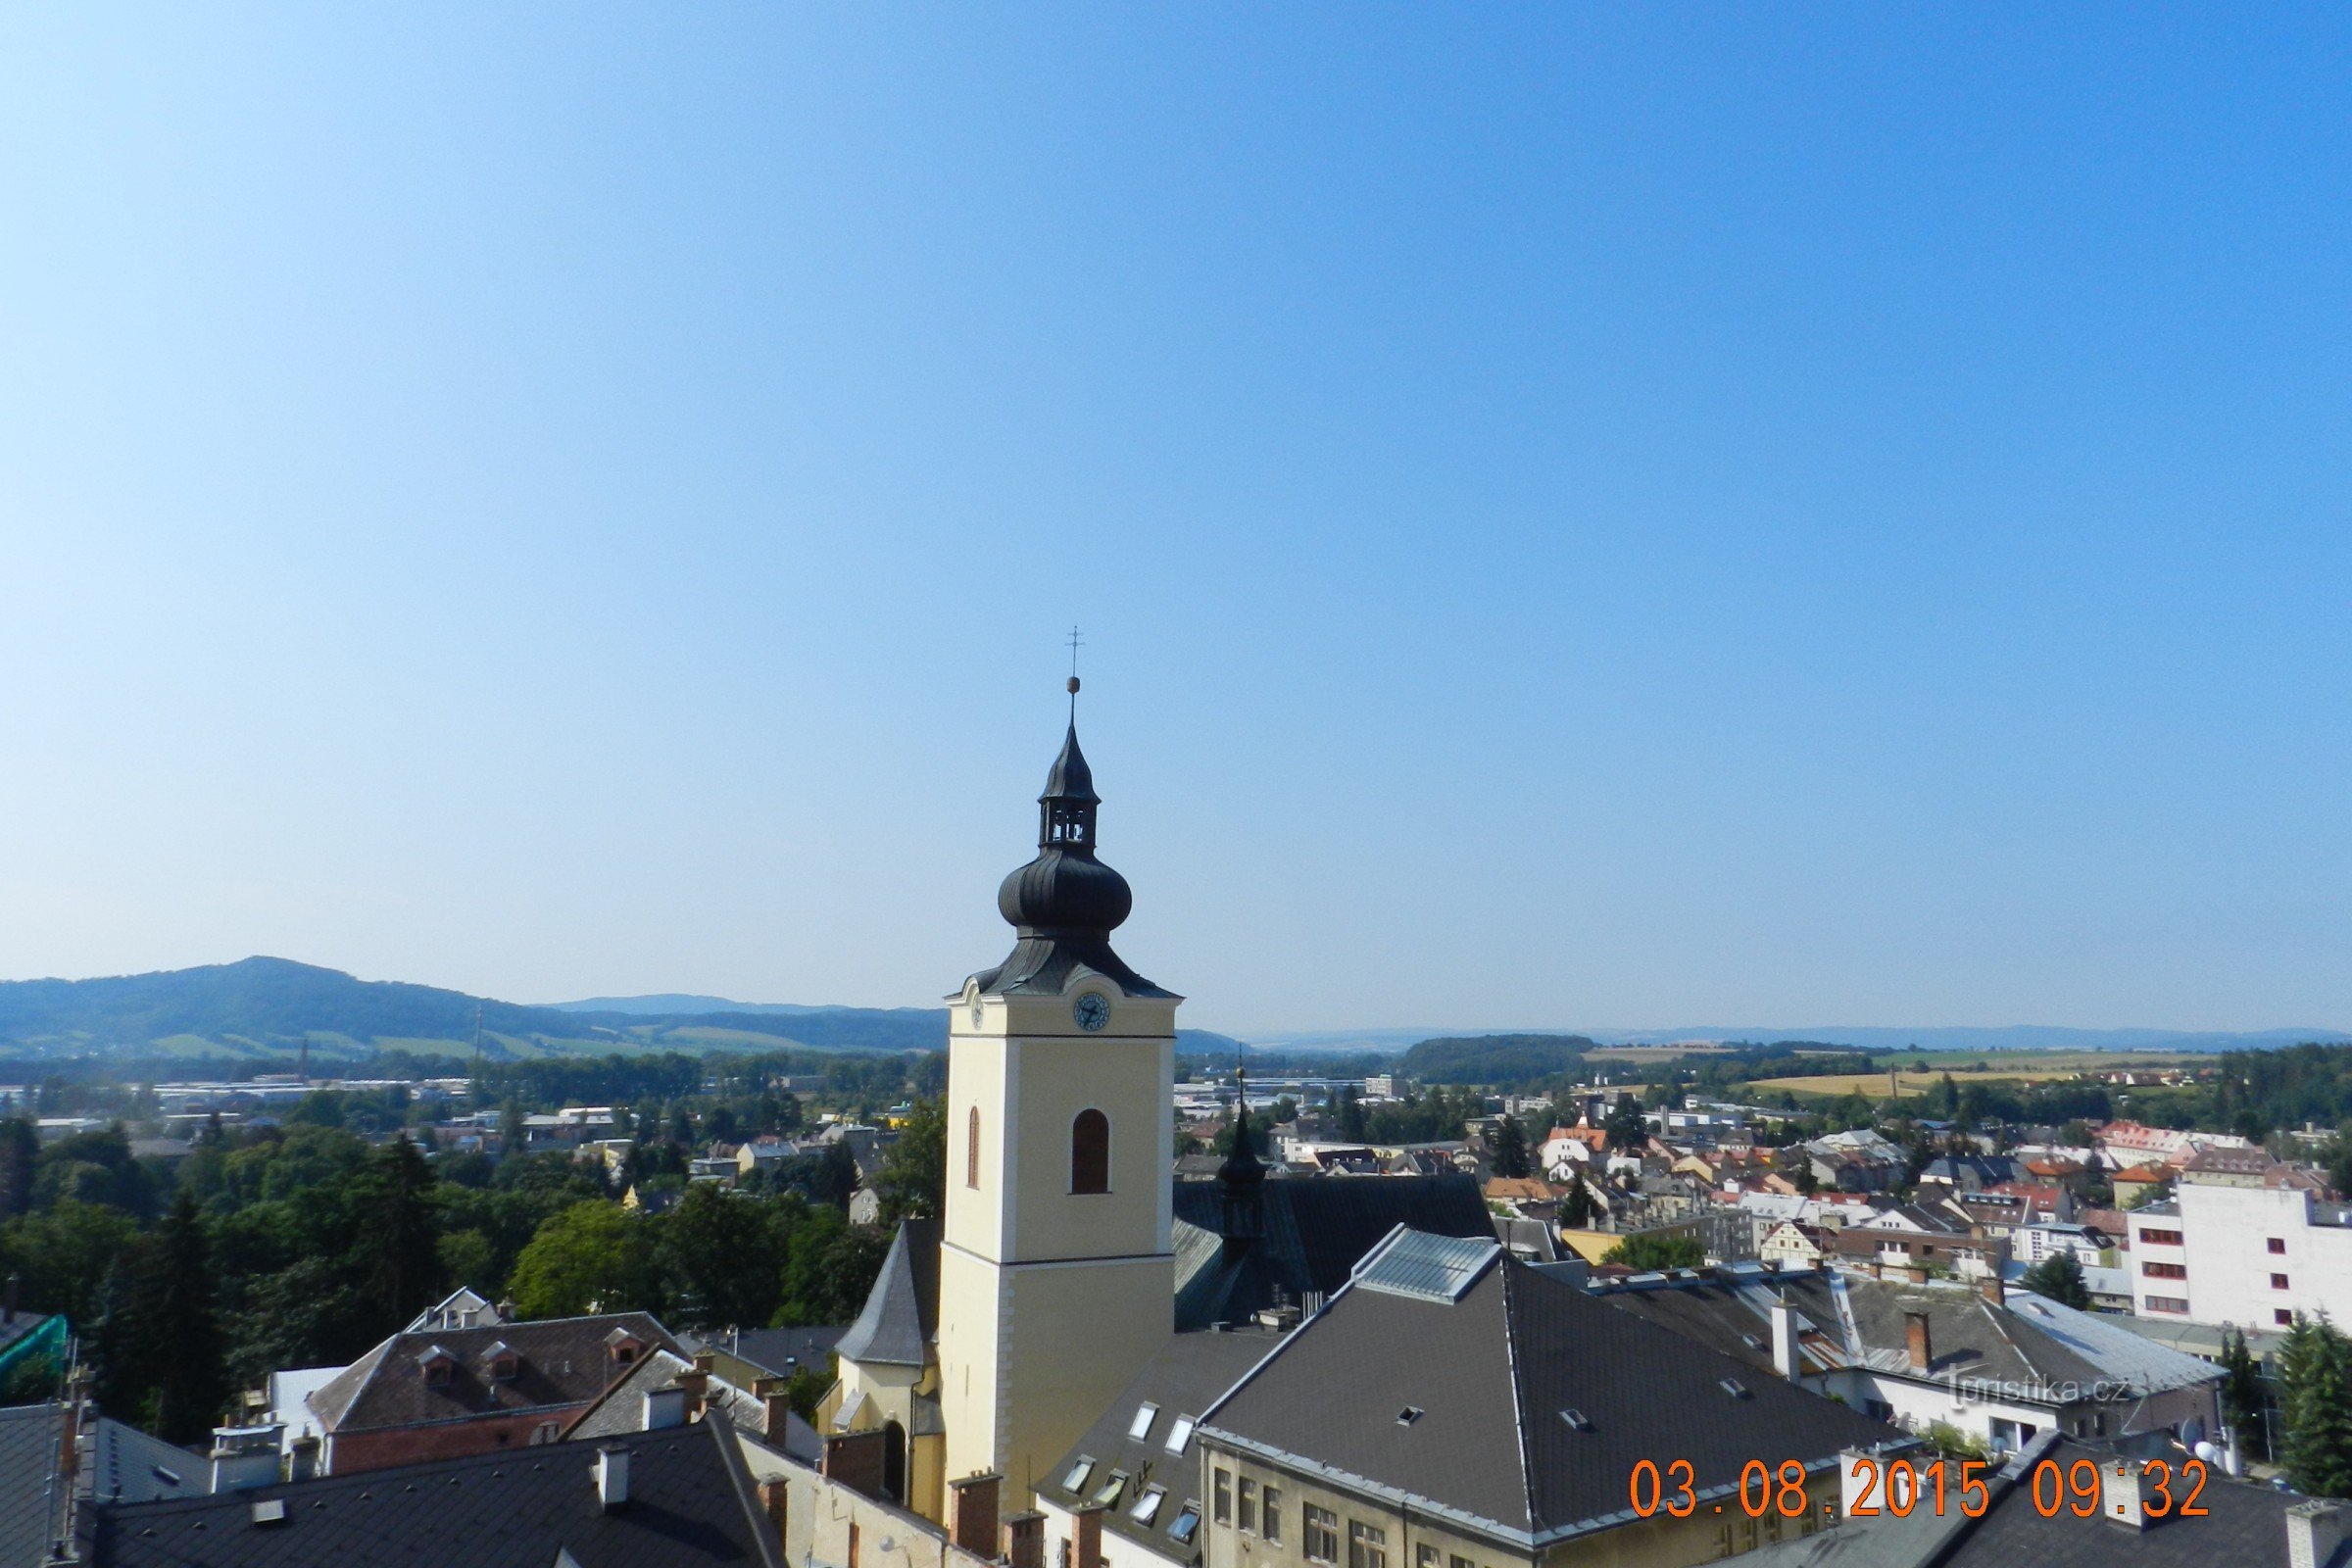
pixel 1048 967
pixel 2244 1527
pixel 127 1465
pixel 772 1352
pixel 691 1505
pixel 1316 1231
pixel 901 1317
pixel 1489 1375
pixel 29 1436
pixel 1182 1380
pixel 562 1362
pixel 622 1409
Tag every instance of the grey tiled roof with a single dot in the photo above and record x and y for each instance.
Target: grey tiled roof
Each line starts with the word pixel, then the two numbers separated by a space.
pixel 29 1436
pixel 901 1317
pixel 1317 1229
pixel 562 1362
pixel 1187 1376
pixel 691 1505
pixel 1457 1408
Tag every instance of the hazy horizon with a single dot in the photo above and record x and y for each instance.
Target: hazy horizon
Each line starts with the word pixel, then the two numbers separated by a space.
pixel 1608 514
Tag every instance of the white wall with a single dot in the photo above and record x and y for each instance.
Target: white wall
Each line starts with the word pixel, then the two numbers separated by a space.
pixel 2226 1231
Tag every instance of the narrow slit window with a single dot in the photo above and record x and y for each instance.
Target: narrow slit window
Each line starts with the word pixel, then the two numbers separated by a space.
pixel 1090 1152
pixel 971 1147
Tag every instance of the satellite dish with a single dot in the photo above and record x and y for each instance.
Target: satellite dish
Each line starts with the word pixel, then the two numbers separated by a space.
pixel 2208 1452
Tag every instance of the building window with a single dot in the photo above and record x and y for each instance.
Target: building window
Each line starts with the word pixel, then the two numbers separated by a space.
pixel 1147 1508
pixel 971 1147
pixel 2283 1317
pixel 1425 1555
pixel 1188 1520
pixel 1463 1562
pixel 1075 1481
pixel 1322 1535
pixel 1270 1517
pixel 1221 1498
pixel 2168 1303
pixel 1109 1496
pixel 2161 1238
pixel 1140 1429
pixel 2165 1271
pixel 1090 1155
pixel 2278 1282
pixel 1367 1545
pixel 2278 1245
pixel 1180 1434
pixel 1248 1519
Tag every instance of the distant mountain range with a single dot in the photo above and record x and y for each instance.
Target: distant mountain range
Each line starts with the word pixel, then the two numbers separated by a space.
pixel 1873 1037
pixel 264 1008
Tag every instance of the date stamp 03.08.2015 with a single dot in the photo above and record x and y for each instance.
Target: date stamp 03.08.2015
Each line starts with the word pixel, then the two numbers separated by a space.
pixel 2150 1488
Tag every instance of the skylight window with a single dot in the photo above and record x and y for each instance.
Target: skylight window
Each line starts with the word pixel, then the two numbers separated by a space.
pixel 1409 1414
pixel 1075 1481
pixel 1735 1387
pixel 1141 1427
pixel 1187 1520
pixel 1577 1420
pixel 1147 1508
pixel 1180 1434
pixel 1109 1495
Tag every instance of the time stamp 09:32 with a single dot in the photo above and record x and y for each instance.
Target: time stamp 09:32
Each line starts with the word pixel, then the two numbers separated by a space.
pixel 1902 1488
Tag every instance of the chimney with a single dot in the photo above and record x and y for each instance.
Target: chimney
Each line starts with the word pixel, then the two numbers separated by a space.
pixel 696 1381
pixel 1086 1537
pixel 1784 1340
pixel 774 1395
pixel 613 1476
pixel 244 1457
pixel 2314 1531
pixel 972 1512
pixel 1025 1540
pixel 665 1407
pixel 1854 1481
pixel 776 1500
pixel 1988 1286
pixel 2124 1493
pixel 1915 1340
pixel 302 1458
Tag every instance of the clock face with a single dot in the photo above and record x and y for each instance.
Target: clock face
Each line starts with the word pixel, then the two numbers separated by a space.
pixel 1092 1011
pixel 977 1012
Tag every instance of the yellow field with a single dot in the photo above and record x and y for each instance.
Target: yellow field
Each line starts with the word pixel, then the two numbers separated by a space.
pixel 2040 1067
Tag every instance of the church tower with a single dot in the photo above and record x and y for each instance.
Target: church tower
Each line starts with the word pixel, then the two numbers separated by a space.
pixel 1056 1278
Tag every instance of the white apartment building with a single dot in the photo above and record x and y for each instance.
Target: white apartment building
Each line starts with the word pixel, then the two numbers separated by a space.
pixel 2250 1256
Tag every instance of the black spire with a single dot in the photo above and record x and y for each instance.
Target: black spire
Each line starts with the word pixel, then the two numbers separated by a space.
pixel 1065 904
pixel 1243 1175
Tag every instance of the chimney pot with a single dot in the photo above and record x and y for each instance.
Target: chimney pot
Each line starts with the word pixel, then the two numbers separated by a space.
pixel 2314 1532
pixel 1915 1340
pixel 613 1476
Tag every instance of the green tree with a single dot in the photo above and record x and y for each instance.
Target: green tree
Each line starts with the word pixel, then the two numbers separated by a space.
pixel 724 1253
pixel 2316 1407
pixel 913 1183
pixel 397 1258
pixel 64 1254
pixel 1647 1252
pixel 1625 1126
pixel 829 1267
pixel 1349 1115
pixel 19 1149
pixel 1510 1149
pixel 1576 1210
pixel 2060 1279
pixel 2242 1396
pixel 162 1353
pixel 592 1258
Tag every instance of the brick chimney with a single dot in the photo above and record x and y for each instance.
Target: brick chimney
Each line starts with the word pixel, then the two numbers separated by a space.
pixel 854 1460
pixel 775 1499
pixel 775 1399
pixel 972 1512
pixel 1025 1540
pixel 696 1381
pixel 1988 1286
pixel 1086 1537
pixel 1915 1340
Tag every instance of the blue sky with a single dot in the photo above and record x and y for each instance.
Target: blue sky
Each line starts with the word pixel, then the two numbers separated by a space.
pixel 1595 517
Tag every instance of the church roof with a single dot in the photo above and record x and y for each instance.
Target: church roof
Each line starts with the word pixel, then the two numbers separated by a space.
pixel 901 1319
pixel 1315 1231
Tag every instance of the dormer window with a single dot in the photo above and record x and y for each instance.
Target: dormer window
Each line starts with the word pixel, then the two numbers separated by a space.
pixel 439 1366
pixel 623 1347
pixel 502 1361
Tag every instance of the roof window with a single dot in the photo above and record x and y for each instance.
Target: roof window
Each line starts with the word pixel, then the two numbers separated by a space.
pixel 1141 1427
pixel 1180 1434
pixel 1147 1508
pixel 1577 1420
pixel 1109 1495
pixel 1409 1414
pixel 1187 1520
pixel 1735 1387
pixel 1075 1481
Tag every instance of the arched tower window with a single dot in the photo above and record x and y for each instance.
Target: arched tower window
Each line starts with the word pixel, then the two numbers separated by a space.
pixel 1090 1152
pixel 971 1147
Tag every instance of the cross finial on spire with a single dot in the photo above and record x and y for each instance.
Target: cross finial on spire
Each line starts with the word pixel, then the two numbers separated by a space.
pixel 1075 642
